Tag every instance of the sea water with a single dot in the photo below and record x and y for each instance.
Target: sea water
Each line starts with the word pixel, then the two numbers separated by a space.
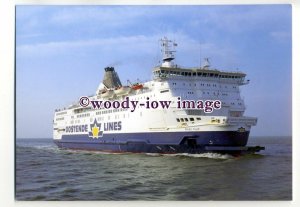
pixel 45 172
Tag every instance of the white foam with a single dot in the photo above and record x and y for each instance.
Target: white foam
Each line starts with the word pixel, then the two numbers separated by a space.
pixel 209 155
pixel 154 154
pixel 203 155
pixel 50 148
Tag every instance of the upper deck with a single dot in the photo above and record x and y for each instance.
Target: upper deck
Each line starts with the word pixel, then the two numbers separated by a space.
pixel 170 70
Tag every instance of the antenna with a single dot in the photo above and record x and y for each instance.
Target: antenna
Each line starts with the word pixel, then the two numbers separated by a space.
pixel 200 54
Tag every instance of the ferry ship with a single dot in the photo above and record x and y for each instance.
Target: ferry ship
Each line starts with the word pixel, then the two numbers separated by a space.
pixel 161 130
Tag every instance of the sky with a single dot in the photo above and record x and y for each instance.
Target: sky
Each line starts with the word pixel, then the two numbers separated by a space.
pixel 61 52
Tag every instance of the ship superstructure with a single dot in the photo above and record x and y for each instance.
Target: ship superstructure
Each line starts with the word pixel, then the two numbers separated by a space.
pixel 161 130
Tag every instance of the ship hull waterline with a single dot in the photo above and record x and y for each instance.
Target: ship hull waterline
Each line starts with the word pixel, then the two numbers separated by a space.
pixel 224 142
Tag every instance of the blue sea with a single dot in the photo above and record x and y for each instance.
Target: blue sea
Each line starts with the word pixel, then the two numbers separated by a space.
pixel 44 172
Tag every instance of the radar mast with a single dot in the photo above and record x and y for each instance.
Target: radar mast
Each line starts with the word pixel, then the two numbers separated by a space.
pixel 168 50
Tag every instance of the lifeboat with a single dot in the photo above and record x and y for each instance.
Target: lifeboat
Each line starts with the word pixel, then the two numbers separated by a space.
pixel 107 94
pixel 123 90
pixel 137 86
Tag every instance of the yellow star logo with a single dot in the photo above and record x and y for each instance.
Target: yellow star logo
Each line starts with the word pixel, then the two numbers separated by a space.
pixel 95 131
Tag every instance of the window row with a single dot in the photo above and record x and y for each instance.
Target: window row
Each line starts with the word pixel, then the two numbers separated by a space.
pixel 203 84
pixel 83 115
pixel 187 119
pixel 202 74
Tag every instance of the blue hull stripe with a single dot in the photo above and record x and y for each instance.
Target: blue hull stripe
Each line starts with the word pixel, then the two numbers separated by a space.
pixel 155 142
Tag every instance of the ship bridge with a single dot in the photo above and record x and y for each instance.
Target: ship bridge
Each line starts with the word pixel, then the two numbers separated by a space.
pixel 204 73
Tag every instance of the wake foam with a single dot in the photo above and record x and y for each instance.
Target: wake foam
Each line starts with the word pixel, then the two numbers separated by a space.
pixel 209 155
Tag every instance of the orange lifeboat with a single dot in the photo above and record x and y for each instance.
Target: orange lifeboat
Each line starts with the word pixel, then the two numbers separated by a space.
pixel 137 86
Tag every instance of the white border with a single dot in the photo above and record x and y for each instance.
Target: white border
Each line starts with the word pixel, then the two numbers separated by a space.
pixel 7 23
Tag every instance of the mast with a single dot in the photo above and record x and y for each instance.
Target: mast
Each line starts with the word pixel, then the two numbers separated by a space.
pixel 168 50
